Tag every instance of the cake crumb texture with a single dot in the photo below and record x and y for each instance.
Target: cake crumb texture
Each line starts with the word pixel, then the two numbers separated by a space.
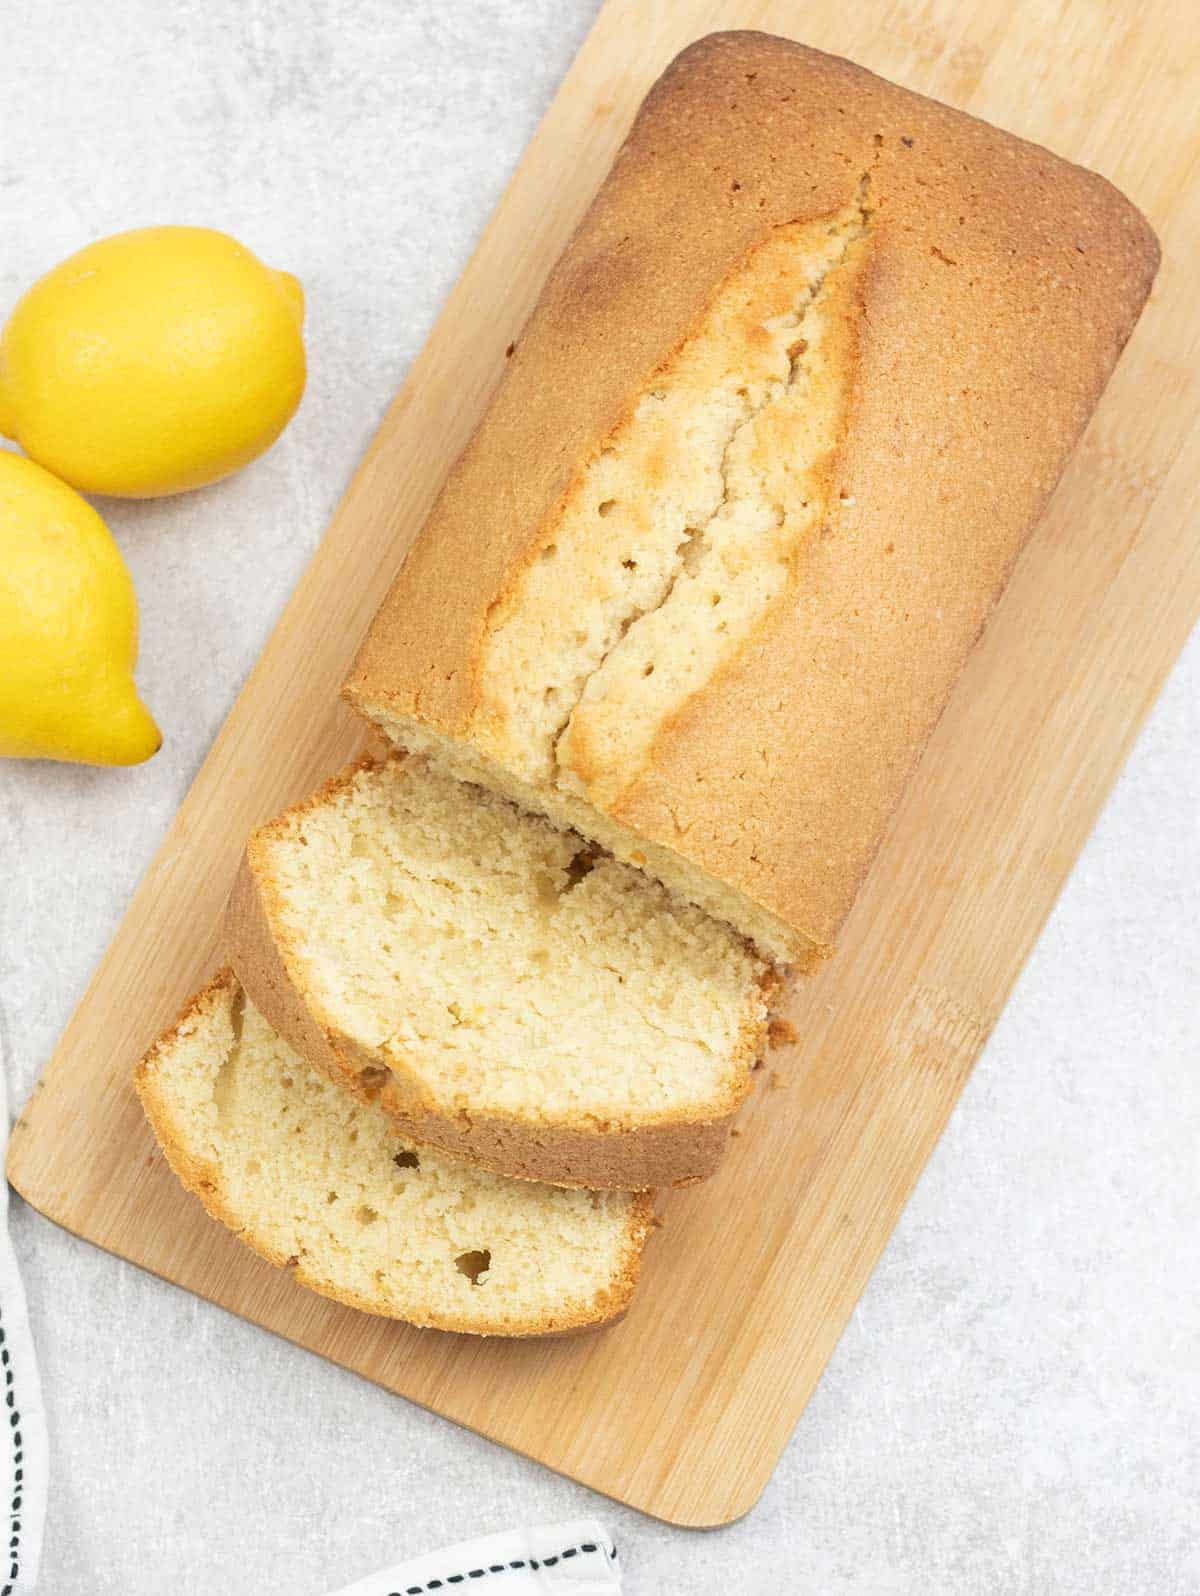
pixel 316 1181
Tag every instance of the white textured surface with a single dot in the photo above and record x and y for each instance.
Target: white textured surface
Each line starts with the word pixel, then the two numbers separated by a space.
pixel 1016 1405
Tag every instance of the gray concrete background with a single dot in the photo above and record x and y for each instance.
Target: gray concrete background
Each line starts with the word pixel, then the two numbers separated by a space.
pixel 1016 1405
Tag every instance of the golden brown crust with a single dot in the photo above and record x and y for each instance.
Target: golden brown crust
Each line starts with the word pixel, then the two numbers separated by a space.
pixel 204 1179
pixel 670 1154
pixel 1001 286
pixel 667 1150
pixel 198 1174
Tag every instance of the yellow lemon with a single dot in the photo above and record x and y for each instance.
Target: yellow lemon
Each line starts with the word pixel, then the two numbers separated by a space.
pixel 153 362
pixel 68 628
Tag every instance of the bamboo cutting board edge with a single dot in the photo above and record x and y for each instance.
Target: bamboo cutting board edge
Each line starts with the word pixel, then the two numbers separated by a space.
pixel 297 1339
pixel 696 1443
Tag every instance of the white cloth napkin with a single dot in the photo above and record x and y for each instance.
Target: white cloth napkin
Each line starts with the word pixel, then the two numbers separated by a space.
pixel 574 1559
pixel 23 1441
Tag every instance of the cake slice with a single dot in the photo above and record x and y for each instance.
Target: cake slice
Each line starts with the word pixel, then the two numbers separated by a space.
pixel 311 1178
pixel 514 996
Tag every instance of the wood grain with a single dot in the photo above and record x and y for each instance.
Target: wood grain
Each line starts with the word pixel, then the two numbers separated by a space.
pixel 683 1409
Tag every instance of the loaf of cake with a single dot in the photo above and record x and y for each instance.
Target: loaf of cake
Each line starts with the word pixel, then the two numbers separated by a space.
pixel 756 473
pixel 314 1180
pixel 511 995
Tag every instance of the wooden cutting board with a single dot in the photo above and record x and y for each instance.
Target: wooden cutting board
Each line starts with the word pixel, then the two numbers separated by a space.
pixel 683 1409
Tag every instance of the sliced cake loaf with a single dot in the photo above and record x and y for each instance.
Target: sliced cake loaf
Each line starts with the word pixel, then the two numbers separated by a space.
pixel 757 471
pixel 311 1178
pixel 519 999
